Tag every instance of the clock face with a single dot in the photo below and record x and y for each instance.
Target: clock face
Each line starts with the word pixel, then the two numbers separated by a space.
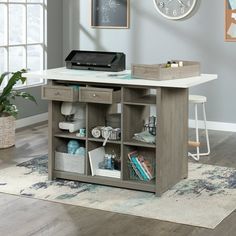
pixel 174 9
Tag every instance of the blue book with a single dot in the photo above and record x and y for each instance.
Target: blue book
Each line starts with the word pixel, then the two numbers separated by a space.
pixel 140 168
pixel 136 170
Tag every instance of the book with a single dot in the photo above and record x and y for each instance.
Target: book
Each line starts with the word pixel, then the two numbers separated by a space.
pixel 147 167
pixel 139 170
pixel 142 167
pixel 131 154
pixel 136 170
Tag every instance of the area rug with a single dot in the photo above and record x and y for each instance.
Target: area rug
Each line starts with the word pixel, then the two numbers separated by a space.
pixel 204 199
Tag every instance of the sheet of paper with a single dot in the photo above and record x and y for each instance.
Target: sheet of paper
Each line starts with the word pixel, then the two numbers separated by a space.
pixel 95 157
pixel 232 4
pixel 232 30
pixel 233 15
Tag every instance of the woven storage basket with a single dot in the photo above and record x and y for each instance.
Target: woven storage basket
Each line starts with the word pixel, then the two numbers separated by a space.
pixel 7 131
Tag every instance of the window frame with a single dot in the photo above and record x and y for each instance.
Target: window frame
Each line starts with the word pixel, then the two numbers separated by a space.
pixel 7 46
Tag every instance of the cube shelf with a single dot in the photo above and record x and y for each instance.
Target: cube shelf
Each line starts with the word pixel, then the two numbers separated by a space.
pixel 130 108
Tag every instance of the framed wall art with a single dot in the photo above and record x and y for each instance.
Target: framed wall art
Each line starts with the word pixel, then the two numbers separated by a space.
pixel 110 13
pixel 230 20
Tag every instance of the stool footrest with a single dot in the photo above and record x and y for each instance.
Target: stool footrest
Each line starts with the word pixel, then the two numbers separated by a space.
pixel 194 144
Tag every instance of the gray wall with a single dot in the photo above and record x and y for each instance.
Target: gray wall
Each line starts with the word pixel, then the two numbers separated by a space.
pixel 54 58
pixel 153 39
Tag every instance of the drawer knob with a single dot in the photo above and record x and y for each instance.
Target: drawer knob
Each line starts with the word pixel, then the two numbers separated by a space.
pixel 94 95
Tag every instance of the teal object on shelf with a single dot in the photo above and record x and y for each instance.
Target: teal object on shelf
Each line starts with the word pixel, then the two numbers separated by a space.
pixel 72 146
pixel 80 151
pixel 75 86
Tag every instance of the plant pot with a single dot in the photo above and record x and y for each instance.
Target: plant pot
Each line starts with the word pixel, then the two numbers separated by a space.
pixel 7 132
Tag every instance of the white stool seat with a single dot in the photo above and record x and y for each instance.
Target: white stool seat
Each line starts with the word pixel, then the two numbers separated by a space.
pixel 197 99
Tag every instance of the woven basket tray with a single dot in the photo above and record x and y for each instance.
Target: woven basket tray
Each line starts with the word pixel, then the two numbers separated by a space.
pixel 160 72
pixel 7 132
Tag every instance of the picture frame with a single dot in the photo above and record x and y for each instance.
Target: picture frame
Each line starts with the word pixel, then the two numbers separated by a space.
pixel 110 14
pixel 230 20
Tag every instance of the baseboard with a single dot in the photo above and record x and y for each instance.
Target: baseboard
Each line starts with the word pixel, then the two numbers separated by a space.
pixel 211 125
pixel 21 123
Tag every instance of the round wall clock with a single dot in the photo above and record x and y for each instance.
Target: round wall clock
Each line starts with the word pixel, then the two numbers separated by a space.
pixel 174 9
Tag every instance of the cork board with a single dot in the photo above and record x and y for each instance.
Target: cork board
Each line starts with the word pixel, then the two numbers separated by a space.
pixel 230 20
pixel 110 13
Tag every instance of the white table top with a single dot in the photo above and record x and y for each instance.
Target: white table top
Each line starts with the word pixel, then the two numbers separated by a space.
pixel 121 78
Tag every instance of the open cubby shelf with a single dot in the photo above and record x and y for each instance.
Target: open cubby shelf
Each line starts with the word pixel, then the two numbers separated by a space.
pixel 139 96
pixel 69 136
pixel 131 106
pixel 139 144
pixel 102 140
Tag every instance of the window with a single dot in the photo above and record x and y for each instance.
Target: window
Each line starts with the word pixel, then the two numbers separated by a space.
pixel 22 36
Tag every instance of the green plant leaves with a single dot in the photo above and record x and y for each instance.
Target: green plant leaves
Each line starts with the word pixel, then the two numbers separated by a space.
pixel 24 95
pixel 16 76
pixel 6 105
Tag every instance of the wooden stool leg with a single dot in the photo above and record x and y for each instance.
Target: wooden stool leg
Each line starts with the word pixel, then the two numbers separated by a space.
pixel 206 131
pixel 196 156
pixel 197 132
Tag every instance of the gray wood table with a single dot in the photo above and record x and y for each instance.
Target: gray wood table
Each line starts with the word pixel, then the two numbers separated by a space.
pixel 101 92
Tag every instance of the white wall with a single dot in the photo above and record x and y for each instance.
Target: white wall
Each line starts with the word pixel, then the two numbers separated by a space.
pixel 153 39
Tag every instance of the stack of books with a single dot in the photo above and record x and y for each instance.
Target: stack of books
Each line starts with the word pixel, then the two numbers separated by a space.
pixel 143 168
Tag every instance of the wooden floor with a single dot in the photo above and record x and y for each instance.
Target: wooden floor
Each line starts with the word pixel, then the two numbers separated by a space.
pixel 25 216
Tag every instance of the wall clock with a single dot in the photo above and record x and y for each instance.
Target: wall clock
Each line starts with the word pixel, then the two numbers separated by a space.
pixel 175 9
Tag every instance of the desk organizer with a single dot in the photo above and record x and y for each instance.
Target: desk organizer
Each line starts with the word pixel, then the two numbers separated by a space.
pixel 161 72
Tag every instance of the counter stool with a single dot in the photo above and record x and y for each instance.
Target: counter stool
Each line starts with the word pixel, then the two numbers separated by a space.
pixel 196 99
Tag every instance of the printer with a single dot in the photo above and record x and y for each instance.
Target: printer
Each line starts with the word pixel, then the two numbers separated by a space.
pixel 96 60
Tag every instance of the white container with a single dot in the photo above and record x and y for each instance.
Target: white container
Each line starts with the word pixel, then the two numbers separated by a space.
pixel 69 163
pixel 95 157
pixel 109 173
pixel 72 126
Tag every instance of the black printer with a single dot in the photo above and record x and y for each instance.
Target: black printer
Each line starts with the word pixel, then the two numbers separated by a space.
pixel 96 60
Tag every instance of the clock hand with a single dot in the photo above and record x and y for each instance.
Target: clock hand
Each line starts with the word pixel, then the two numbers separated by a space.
pixel 181 3
pixel 169 1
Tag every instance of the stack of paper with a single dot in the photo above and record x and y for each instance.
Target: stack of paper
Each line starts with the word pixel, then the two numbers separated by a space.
pixel 232 30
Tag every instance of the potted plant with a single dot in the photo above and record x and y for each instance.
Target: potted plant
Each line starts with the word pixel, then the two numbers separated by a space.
pixel 8 111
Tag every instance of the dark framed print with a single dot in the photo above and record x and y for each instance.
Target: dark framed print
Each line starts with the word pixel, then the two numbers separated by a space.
pixel 110 13
pixel 230 20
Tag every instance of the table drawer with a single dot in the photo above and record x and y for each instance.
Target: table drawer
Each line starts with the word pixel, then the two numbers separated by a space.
pixel 99 95
pixel 60 93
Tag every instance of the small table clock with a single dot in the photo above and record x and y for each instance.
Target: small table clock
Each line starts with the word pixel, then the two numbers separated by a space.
pixel 175 9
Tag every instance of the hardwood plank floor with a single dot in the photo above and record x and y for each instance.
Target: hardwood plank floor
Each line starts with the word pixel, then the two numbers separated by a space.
pixel 22 216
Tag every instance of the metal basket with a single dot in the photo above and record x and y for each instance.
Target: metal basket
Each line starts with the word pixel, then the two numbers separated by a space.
pixel 114 134
pixel 132 173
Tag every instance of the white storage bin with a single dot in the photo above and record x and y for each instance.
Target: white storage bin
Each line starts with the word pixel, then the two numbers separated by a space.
pixel 68 162
pixel 95 157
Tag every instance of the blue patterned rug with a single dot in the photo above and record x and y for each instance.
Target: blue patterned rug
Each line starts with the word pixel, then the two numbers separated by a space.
pixel 204 199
